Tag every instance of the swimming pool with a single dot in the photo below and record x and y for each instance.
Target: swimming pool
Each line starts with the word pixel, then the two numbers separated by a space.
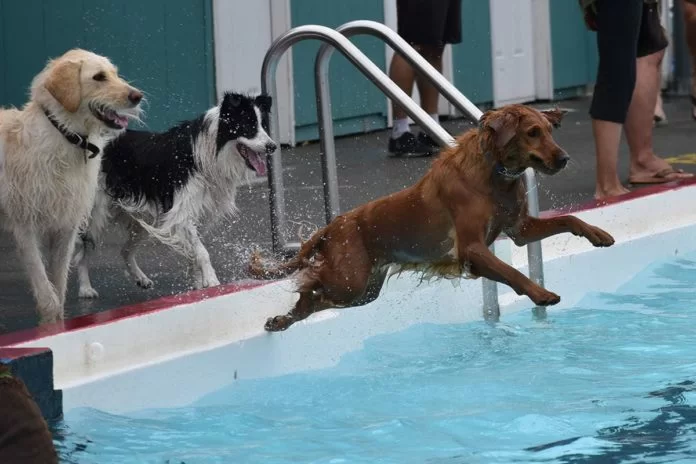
pixel 609 380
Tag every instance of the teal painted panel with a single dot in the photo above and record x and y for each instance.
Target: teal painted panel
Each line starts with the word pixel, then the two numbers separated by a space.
pixel 164 47
pixel 472 59
pixel 573 46
pixel 353 96
pixel 592 56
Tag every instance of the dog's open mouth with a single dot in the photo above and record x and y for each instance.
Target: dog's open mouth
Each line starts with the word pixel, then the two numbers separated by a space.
pixel 109 116
pixel 255 160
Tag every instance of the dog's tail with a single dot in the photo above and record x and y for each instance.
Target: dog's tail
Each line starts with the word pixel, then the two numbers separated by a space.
pixel 278 270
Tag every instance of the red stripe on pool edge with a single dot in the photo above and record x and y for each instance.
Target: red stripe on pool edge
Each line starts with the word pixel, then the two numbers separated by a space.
pixel 168 302
pixel 134 310
pixel 9 354
pixel 639 193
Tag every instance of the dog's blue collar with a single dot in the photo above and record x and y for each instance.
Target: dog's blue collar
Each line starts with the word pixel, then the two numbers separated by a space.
pixel 73 137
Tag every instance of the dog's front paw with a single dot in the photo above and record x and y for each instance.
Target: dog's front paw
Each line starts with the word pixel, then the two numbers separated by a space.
pixel 278 323
pixel 598 237
pixel 211 282
pixel 144 282
pixel 51 312
pixel 88 293
pixel 543 297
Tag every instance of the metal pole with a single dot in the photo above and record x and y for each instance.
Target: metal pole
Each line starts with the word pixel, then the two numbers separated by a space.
pixel 415 59
pixel 360 61
pixel 325 121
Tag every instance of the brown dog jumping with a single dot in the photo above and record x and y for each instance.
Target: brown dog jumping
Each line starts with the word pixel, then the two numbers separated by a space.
pixel 443 225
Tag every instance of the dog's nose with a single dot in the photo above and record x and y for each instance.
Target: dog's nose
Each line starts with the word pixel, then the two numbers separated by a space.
pixel 271 148
pixel 134 96
pixel 562 160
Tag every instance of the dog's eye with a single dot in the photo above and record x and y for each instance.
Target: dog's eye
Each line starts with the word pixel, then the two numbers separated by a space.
pixel 534 132
pixel 100 76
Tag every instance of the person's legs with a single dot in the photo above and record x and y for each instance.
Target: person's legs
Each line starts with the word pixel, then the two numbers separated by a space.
pixel 645 166
pixel 418 23
pixel 429 95
pixel 618 25
pixel 607 136
pixel 403 75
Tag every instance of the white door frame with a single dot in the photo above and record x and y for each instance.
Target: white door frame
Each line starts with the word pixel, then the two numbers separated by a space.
pixel 543 56
pixel 241 42
pixel 499 37
pixel 285 104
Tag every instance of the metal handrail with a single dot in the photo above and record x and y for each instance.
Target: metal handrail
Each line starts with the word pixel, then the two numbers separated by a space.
pixel 369 69
pixel 451 94
pixel 338 39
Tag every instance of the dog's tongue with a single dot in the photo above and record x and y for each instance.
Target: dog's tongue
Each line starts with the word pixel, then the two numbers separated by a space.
pixel 258 162
pixel 121 121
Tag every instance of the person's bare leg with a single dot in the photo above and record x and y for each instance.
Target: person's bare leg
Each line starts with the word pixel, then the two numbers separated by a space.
pixel 429 95
pixel 607 136
pixel 639 122
pixel 404 76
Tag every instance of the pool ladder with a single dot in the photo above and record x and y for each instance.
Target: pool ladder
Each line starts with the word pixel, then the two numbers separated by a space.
pixel 338 39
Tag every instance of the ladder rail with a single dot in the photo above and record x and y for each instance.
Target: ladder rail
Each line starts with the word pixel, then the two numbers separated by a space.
pixel 339 39
pixel 368 68
pixel 491 304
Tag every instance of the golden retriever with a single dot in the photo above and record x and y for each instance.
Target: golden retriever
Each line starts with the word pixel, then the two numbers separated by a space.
pixel 50 159
pixel 443 225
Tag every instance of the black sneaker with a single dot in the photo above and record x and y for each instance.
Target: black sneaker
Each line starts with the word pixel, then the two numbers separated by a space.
pixel 428 141
pixel 408 145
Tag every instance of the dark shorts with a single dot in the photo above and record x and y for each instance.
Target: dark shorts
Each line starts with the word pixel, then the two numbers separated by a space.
pixel 429 22
pixel 626 30
pixel 652 37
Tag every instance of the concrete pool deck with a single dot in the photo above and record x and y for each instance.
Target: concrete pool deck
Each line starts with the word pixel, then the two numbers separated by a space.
pixel 365 172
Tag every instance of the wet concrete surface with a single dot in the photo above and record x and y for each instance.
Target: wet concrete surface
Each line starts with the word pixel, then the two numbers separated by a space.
pixel 365 172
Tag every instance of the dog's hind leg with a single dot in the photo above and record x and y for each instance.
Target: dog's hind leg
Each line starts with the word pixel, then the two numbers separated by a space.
pixel 203 271
pixel 83 253
pixel 47 302
pixel 61 246
pixel 309 303
pixel 135 235
pixel 348 280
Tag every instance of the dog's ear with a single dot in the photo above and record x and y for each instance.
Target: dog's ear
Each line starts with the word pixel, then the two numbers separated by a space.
pixel 264 102
pixel 63 82
pixel 502 123
pixel 554 116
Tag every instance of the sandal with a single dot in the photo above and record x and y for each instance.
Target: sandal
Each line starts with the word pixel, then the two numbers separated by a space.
pixel 661 177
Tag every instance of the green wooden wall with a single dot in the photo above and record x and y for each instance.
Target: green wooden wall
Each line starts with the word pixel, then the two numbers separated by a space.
pixel 472 60
pixel 164 47
pixel 358 106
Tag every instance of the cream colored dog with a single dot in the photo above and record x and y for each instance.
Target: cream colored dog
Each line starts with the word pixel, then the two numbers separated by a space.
pixel 50 159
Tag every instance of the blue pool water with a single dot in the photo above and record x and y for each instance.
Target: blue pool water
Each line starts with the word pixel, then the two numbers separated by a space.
pixel 609 381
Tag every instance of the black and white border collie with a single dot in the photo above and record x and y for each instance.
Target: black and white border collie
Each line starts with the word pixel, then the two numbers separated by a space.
pixel 166 184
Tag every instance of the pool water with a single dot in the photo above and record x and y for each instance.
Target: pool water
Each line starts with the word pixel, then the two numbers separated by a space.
pixel 611 380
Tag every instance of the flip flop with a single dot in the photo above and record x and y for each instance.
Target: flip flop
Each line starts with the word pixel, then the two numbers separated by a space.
pixel 661 177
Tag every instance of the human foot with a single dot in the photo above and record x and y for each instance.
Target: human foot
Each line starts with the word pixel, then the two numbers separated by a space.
pixel 655 170
pixel 601 193
pixel 661 177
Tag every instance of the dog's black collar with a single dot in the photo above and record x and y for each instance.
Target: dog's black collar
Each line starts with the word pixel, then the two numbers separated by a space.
pixel 499 169
pixel 73 137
